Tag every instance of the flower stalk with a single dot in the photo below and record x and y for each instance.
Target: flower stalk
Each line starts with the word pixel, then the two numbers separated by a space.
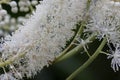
pixel 89 61
pixel 76 49
pixel 79 32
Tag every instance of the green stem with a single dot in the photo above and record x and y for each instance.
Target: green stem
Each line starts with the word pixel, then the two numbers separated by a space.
pixel 89 61
pixel 11 60
pixel 75 50
pixel 104 52
pixel 15 57
pixel 31 8
pixel 79 31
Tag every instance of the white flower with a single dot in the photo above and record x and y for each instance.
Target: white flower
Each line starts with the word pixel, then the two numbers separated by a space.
pixel 105 20
pixel 7 76
pixel 115 63
pixel 43 36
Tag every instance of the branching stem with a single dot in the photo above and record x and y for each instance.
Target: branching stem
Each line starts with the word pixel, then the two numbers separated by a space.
pixel 89 61
pixel 80 31
pixel 76 49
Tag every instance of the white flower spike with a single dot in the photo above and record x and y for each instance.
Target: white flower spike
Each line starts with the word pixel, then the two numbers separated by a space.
pixel 43 36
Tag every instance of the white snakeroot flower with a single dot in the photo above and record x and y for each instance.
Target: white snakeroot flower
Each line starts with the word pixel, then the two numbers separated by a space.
pixel 14 9
pixel 115 63
pixel 82 42
pixel 13 4
pixel 34 2
pixel 43 36
pixel 7 76
pixel 105 20
pixel 3 12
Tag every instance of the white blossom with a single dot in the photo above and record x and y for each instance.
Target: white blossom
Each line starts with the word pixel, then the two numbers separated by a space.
pixel 43 36
pixel 115 55
pixel 105 20
pixel 7 76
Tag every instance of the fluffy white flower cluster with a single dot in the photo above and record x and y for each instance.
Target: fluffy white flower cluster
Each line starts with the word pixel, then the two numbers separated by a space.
pixel 21 5
pixel 8 22
pixel 43 36
pixel 105 21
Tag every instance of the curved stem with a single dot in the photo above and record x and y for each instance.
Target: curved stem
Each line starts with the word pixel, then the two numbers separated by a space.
pixel 102 52
pixel 89 61
pixel 79 31
pixel 76 49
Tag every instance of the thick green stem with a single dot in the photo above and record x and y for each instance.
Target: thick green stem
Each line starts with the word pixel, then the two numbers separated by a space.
pixel 76 49
pixel 78 33
pixel 89 61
